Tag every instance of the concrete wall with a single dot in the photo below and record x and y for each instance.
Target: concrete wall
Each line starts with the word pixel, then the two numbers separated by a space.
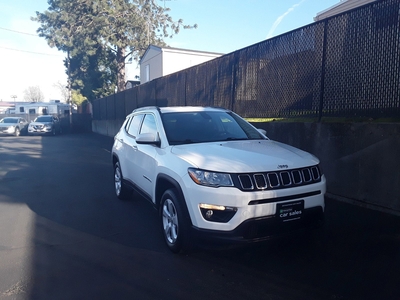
pixel 361 161
pixel 106 127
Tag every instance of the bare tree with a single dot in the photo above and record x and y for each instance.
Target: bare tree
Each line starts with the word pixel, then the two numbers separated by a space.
pixel 63 90
pixel 33 94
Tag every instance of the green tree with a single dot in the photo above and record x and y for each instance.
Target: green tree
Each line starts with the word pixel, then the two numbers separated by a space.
pixel 122 27
pixel 94 76
pixel 77 98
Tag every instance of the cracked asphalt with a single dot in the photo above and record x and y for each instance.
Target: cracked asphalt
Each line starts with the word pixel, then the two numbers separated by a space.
pixel 64 235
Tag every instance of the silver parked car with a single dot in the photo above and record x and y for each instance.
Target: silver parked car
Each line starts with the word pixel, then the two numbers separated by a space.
pixel 13 126
pixel 46 124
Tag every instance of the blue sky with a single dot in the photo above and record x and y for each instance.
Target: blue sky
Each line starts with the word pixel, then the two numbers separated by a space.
pixel 223 26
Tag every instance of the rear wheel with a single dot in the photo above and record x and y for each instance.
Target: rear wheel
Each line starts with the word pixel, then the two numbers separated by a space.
pixel 121 190
pixel 174 221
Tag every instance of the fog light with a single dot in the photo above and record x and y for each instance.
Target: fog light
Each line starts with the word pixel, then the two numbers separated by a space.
pixel 217 213
pixel 209 214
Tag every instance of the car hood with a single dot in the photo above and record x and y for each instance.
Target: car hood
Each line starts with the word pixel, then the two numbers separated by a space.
pixel 40 123
pixel 244 156
pixel 8 124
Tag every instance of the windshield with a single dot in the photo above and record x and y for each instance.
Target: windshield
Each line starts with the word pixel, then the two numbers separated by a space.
pixel 206 126
pixel 43 119
pixel 9 120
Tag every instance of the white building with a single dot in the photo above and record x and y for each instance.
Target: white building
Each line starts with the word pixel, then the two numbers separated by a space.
pixel 161 61
pixel 342 6
pixel 39 108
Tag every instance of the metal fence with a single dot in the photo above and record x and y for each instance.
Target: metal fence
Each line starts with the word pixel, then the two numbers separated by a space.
pixel 344 66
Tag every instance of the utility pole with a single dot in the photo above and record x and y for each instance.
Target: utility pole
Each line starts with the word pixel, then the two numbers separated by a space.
pixel 14 97
pixel 69 77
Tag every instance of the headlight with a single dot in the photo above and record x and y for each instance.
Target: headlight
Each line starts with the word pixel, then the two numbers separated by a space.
pixel 209 178
pixel 48 126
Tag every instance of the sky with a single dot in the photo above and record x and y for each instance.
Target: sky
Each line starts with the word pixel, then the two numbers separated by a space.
pixel 224 26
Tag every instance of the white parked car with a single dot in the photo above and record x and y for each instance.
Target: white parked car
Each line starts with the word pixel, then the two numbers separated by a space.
pixel 46 124
pixel 211 174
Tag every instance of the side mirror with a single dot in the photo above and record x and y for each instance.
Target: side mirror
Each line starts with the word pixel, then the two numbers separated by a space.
pixel 148 138
pixel 262 131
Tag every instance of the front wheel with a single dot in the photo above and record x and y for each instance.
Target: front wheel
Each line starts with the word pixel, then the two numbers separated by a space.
pixel 121 190
pixel 174 221
pixel 17 132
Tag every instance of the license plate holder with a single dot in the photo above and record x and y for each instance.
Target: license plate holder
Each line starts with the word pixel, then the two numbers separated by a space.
pixel 290 211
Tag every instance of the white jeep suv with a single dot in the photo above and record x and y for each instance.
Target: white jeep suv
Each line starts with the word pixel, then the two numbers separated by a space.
pixel 211 174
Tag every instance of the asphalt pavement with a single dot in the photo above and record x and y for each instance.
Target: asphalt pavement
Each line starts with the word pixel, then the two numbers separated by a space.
pixel 64 235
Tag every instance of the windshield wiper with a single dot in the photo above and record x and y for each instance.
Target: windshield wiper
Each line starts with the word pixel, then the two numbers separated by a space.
pixel 187 141
pixel 235 139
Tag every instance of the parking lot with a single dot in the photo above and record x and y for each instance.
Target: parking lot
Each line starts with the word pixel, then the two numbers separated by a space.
pixel 64 235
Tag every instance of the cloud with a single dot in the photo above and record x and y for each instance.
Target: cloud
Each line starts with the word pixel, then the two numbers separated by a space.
pixel 280 18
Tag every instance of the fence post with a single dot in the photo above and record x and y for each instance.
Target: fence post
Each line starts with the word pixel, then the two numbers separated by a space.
pixel 322 89
pixel 234 78
pixel 185 85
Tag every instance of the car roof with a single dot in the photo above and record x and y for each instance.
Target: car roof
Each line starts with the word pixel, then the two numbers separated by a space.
pixel 171 109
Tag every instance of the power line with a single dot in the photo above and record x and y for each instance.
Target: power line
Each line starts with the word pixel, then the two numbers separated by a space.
pixel 20 32
pixel 31 52
pixel 18 50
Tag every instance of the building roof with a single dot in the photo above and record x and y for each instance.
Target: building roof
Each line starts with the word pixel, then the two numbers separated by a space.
pixel 342 6
pixel 177 50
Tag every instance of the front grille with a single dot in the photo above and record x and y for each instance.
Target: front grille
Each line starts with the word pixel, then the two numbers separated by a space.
pixel 277 179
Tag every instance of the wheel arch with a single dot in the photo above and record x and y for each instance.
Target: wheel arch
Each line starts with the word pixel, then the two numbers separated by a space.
pixel 165 182
pixel 114 158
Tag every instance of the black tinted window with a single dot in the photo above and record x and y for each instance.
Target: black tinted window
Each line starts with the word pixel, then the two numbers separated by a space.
pixel 44 119
pixel 9 120
pixel 199 127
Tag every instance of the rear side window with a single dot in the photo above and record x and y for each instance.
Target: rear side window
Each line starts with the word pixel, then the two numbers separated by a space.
pixel 134 124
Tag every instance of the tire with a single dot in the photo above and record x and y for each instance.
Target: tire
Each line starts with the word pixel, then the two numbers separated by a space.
pixel 17 132
pixel 53 131
pixel 174 222
pixel 121 190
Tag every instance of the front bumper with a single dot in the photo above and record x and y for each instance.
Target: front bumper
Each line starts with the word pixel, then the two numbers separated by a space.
pixel 263 228
pixel 8 131
pixel 248 205
pixel 39 131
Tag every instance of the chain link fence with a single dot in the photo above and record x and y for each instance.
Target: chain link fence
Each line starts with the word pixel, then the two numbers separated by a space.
pixel 344 66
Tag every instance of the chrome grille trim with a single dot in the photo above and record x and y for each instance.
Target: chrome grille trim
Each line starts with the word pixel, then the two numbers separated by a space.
pixel 285 178
pixel 273 179
pixel 261 181
pixel 277 179
pixel 315 173
pixel 296 175
pixel 306 175
pixel 246 182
